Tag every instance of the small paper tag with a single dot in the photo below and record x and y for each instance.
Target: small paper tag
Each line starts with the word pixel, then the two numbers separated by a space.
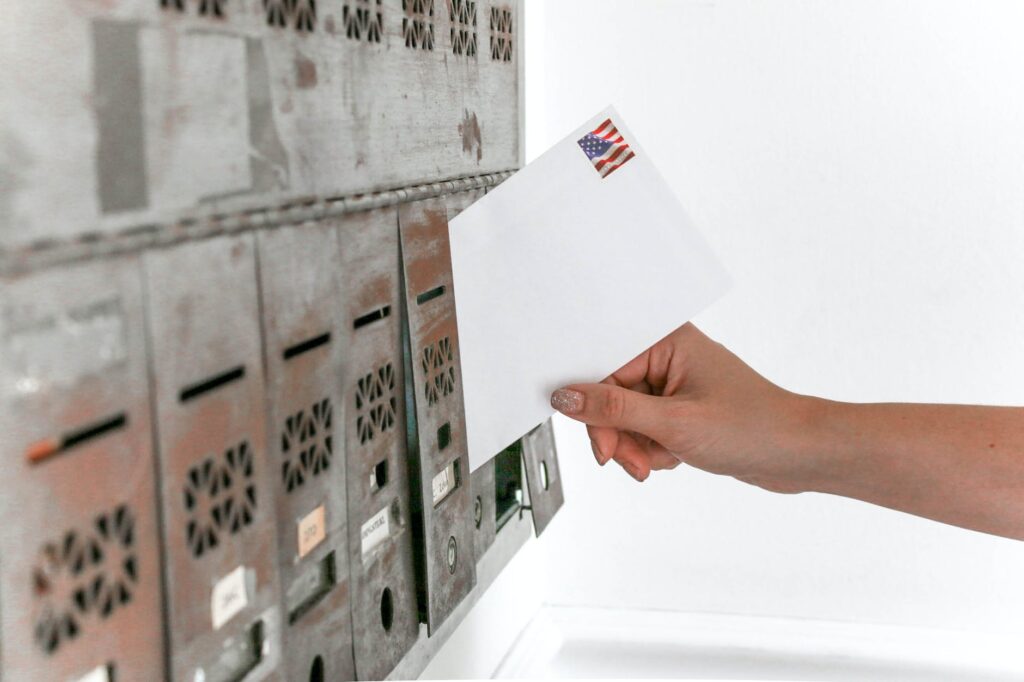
pixel 100 674
pixel 376 530
pixel 445 482
pixel 230 597
pixel 312 530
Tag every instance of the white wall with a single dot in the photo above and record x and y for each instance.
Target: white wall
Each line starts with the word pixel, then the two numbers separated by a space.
pixel 859 166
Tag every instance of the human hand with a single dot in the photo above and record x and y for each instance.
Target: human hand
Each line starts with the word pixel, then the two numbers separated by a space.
pixel 689 399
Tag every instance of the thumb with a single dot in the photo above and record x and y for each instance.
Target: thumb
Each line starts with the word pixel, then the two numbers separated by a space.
pixel 613 406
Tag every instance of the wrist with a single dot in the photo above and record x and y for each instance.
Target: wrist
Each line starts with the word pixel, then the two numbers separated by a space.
pixel 811 446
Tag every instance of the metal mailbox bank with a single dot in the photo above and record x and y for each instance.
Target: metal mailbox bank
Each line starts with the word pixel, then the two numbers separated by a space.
pixel 230 394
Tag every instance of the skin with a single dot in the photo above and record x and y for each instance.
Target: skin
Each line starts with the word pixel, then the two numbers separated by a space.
pixel 689 399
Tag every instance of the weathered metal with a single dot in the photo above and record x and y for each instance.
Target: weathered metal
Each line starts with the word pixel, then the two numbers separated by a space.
pixel 300 286
pixel 219 523
pixel 439 462
pixel 383 579
pixel 79 550
pixel 543 479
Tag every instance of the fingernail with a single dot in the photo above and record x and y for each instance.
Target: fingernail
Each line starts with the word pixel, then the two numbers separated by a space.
pixel 633 471
pixel 567 401
pixel 597 453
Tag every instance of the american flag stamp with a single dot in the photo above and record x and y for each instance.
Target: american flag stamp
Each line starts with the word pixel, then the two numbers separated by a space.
pixel 606 148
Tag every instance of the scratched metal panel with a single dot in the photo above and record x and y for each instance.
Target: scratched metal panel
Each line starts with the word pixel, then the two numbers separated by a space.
pixel 300 286
pixel 135 113
pixel 543 480
pixel 383 579
pixel 219 533
pixel 485 521
pixel 439 462
pixel 80 586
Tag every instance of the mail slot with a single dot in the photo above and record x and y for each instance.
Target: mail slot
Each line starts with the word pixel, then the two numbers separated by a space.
pixel 442 504
pixel 223 600
pixel 300 287
pixel 543 480
pixel 381 560
pixel 80 586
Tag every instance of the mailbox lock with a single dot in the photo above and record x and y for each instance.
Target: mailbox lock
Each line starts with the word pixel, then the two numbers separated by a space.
pixel 478 511
pixel 453 555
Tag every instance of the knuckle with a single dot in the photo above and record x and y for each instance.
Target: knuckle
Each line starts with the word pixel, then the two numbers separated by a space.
pixel 613 407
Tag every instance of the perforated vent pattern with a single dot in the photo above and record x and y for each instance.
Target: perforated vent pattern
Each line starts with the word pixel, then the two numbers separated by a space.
pixel 307 444
pixel 363 20
pixel 220 497
pixel 418 24
pixel 501 34
pixel 208 8
pixel 376 403
pixel 298 14
pixel 436 361
pixel 87 574
pixel 463 31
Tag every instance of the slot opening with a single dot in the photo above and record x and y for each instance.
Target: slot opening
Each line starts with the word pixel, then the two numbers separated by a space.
pixel 508 483
pixel 317 583
pixel 43 450
pixel 387 609
pixel 316 671
pixel 544 481
pixel 430 295
pixel 444 436
pixel 379 476
pixel 371 317
pixel 306 346
pixel 213 383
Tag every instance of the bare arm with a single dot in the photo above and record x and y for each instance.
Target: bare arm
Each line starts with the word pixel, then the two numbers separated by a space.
pixel 688 399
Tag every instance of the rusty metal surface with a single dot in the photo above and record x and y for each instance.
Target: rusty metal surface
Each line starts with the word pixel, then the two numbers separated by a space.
pixel 439 462
pixel 485 521
pixel 186 107
pixel 375 443
pixel 300 269
pixel 80 579
pixel 223 600
pixel 543 479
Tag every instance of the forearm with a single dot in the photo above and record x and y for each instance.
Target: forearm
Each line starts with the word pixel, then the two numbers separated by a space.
pixel 959 464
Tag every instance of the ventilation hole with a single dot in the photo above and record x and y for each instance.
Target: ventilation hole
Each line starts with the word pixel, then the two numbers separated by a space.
pixel 387 609
pixel 501 34
pixel 297 14
pixel 463 31
pixel 363 20
pixel 219 496
pixel 316 671
pixel 375 403
pixel 93 573
pixel 309 445
pixel 437 361
pixel 444 436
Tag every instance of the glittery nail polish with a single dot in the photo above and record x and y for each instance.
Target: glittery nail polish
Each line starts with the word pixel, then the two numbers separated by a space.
pixel 567 401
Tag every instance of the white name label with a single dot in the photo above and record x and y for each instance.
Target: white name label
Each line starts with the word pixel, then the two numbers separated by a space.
pixel 230 597
pixel 100 674
pixel 445 482
pixel 376 530
pixel 312 531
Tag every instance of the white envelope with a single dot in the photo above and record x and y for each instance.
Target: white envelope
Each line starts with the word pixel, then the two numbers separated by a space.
pixel 562 275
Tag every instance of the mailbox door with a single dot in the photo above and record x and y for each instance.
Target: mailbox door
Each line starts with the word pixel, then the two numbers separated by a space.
pixel 302 316
pixel 80 586
pixel 543 480
pixel 217 494
pixel 383 579
pixel 439 460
